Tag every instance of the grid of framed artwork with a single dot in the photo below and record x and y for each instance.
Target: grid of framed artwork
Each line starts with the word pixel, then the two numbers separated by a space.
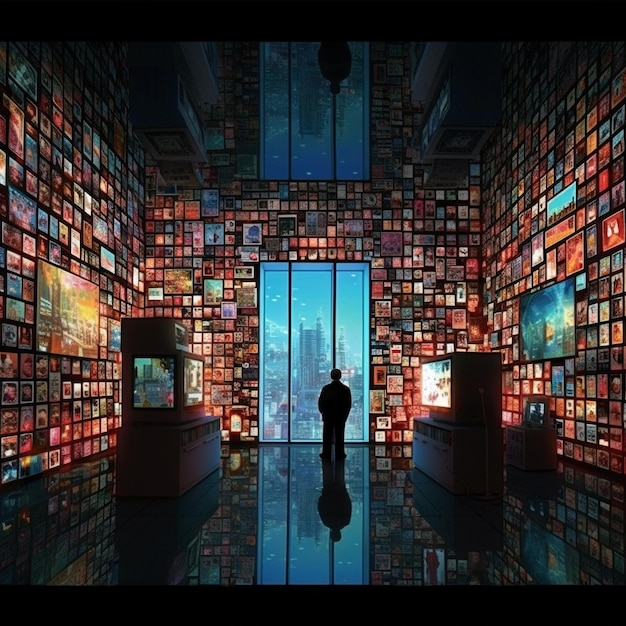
pixel 555 211
pixel 76 192
pixel 424 247
pixel 70 192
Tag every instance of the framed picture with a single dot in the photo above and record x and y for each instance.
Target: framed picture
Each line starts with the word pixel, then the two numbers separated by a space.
pixel 107 259
pixel 380 375
pixel 213 291
pixel 210 202
pixel 574 254
pixel 252 234
pixel 395 383
pixel 155 293
pixel 315 223
pixel 390 244
pixel 383 422
pixel 434 566
pixel 229 310
pixel 537 249
pixel 178 281
pixel 244 272
pixel 27 393
pixel 115 335
pixel 377 400
pixel 213 234
pixel 561 204
pixel 8 364
pixel 246 297
pixel 10 395
pixel 22 210
pixel 249 254
pixel 459 319
pixel 82 338
pixel 613 231
pixel 287 226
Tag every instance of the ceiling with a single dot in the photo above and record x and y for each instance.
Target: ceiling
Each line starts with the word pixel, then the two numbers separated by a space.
pixel 458 84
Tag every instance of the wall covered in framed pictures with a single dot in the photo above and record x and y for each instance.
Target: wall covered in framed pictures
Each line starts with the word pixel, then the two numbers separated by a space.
pixel 575 197
pixel 545 203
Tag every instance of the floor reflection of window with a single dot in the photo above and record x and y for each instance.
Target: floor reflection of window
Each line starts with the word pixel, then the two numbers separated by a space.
pixel 294 543
pixel 314 316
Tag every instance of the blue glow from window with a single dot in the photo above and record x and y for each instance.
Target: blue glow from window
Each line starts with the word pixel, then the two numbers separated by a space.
pixel 297 111
pixel 314 316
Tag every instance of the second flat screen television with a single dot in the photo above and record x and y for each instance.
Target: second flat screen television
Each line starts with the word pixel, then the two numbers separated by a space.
pixel 548 322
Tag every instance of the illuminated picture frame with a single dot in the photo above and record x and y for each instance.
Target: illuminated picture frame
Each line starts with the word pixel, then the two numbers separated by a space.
pixel 229 310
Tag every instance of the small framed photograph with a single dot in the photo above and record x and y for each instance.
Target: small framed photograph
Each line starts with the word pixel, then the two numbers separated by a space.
pixel 8 364
pixel 246 297
pixel 383 422
pixel 377 400
pixel 213 291
pixel 210 202
pixel 287 226
pixel 27 392
pixel 613 231
pixel 9 335
pixel 252 234
pixel 10 394
pixel 244 272
pixel 41 416
pixel 178 281
pixel 115 335
pixel 395 383
pixel 574 254
pixel 22 210
pixel 434 566
pixel 229 310
pixel 459 319
pixel 155 293
pixel 107 259
pixel 249 254
pixel 213 234
pixel 380 375
pixel 390 244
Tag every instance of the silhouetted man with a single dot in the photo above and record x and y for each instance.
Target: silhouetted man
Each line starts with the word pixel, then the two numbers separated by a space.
pixel 334 505
pixel 334 403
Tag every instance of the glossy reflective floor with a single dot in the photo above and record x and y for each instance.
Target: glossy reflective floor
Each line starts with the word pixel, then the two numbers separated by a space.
pixel 267 515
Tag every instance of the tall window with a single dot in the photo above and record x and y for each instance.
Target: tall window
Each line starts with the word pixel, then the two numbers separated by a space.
pixel 297 115
pixel 314 316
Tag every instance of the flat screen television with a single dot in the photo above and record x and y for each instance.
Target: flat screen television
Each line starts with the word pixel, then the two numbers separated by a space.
pixel 463 387
pixel 154 382
pixel 193 386
pixel 548 322
pixel 67 312
pixel 537 412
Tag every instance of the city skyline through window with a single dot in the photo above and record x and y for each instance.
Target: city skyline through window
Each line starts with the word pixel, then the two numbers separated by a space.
pixel 314 316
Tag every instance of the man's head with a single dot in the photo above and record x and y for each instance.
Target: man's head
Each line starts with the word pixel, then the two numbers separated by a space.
pixel 335 373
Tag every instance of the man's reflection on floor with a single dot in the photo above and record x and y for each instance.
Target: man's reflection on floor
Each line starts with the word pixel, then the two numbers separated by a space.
pixel 334 505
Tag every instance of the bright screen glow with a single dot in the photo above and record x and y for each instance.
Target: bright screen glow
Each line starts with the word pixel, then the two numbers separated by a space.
pixel 67 313
pixel 547 322
pixel 153 382
pixel 192 382
pixel 437 383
